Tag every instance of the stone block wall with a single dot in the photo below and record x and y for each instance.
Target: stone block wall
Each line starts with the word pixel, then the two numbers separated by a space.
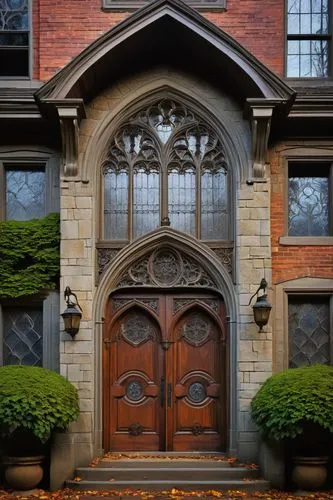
pixel 251 351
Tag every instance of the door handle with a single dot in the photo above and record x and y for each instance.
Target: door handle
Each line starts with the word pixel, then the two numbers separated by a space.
pixel 169 395
pixel 162 394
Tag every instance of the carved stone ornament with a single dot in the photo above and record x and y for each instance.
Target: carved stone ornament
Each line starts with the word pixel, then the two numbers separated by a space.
pixel 135 429
pixel 261 112
pixel 120 303
pixel 180 303
pixel 166 268
pixel 225 256
pixel 69 124
pixel 104 257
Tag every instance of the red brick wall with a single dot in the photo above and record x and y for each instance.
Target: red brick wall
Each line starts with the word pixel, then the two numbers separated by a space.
pixel 290 262
pixel 62 29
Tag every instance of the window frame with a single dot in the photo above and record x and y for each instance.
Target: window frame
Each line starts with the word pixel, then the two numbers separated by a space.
pixel 297 287
pixel 295 37
pixel 45 160
pixel 132 5
pixel 50 303
pixel 30 52
pixel 310 295
pixel 303 157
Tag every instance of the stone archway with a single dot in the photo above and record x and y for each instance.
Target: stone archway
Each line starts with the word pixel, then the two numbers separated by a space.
pixel 194 267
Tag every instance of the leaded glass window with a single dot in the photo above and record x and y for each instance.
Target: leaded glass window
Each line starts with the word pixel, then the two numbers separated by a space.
pixel 308 200
pixel 309 331
pixel 14 38
pixel 23 336
pixel 308 38
pixel 165 163
pixel 25 193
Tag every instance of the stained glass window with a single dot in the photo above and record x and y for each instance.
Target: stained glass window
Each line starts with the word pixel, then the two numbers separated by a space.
pixel 165 163
pixel 308 37
pixel 309 335
pixel 23 336
pixel 308 200
pixel 14 38
pixel 25 193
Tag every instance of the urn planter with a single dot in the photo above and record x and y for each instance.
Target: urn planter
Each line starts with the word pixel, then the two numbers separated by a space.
pixel 309 473
pixel 23 473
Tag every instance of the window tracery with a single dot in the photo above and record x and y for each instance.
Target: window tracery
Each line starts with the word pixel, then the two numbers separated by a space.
pixel 165 162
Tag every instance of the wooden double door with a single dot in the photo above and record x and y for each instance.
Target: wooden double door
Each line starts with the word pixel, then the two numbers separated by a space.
pixel 164 373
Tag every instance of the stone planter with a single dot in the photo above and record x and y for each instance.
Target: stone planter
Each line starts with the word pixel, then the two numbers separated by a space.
pixel 23 473
pixel 309 473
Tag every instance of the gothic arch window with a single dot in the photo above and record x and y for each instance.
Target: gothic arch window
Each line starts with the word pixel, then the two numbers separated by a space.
pixel 165 163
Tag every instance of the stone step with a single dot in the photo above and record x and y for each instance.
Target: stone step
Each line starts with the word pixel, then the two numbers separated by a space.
pixel 158 463
pixel 152 485
pixel 165 473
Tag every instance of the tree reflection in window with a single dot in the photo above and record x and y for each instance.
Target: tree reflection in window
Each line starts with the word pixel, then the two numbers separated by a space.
pixel 25 193
pixel 165 162
pixel 308 194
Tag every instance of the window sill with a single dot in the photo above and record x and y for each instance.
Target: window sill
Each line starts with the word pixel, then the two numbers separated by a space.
pixel 306 240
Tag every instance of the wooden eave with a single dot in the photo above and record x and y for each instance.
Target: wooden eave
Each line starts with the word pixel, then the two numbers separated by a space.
pixel 18 103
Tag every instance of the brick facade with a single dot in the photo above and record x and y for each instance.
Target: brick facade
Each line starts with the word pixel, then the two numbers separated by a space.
pixel 63 29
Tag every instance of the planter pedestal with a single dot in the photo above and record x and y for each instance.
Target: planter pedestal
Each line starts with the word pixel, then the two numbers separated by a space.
pixel 309 473
pixel 23 473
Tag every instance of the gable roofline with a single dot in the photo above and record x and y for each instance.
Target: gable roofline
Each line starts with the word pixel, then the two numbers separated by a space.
pixel 267 84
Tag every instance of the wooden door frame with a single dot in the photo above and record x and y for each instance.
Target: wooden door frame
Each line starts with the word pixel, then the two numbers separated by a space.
pixel 167 322
pixel 225 288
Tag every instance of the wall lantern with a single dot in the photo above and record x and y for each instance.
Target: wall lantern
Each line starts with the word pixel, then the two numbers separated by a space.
pixel 71 315
pixel 262 308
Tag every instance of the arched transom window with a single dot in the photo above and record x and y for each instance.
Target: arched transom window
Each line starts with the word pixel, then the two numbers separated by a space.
pixel 165 163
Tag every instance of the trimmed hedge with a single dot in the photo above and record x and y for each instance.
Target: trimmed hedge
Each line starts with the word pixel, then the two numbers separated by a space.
pixel 29 256
pixel 292 398
pixel 36 400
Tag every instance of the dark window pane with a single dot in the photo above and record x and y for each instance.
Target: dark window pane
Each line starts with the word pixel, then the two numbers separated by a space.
pixel 14 15
pixel 14 62
pixel 16 38
pixel 23 336
pixel 25 194
pixel 319 58
pixel 308 202
pixel 116 203
pixel 309 337
pixel 146 199
pixel 214 204
pixel 182 198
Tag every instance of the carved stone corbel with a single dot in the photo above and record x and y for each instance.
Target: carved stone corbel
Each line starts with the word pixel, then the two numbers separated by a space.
pixel 69 124
pixel 260 117
pixel 259 112
pixel 69 112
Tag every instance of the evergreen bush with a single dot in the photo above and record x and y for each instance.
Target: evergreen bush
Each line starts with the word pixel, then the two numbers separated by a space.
pixel 36 400
pixel 290 400
pixel 29 256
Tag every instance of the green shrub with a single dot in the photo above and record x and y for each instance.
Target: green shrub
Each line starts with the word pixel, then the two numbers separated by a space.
pixel 29 256
pixel 35 400
pixel 291 399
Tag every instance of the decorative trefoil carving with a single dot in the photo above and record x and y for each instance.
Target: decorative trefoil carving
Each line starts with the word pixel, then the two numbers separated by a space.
pixel 167 268
pixel 225 255
pixel 104 257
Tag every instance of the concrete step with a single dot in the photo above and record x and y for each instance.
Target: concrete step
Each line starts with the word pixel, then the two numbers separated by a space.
pixel 199 473
pixel 156 485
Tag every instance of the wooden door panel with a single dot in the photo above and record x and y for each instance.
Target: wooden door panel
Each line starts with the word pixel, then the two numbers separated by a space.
pixel 170 397
pixel 136 364
pixel 196 415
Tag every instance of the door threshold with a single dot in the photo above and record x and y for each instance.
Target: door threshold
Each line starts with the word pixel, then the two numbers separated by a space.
pixel 165 454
